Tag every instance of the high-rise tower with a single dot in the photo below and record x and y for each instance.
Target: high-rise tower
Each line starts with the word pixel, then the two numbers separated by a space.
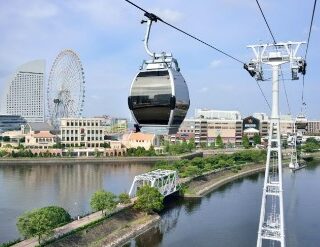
pixel 24 92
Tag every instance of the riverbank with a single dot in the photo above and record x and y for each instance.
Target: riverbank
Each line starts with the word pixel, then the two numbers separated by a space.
pixel 201 185
pixel 110 232
pixel 86 160
pixel 204 184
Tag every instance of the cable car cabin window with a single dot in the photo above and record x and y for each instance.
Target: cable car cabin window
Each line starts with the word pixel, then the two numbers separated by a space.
pixel 151 97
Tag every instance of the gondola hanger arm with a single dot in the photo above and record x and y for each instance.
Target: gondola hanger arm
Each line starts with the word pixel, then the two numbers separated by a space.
pixel 147 36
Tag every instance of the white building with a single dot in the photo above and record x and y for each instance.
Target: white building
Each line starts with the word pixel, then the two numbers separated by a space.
pixel 217 114
pixel 39 136
pixel 82 132
pixel 135 140
pixel 24 92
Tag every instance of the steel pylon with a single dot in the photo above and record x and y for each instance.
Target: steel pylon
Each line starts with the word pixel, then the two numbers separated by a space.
pixel 271 223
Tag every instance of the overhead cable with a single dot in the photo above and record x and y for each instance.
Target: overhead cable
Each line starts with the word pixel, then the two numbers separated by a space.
pixel 155 18
pixel 305 57
pixel 265 20
pixel 275 42
pixel 264 96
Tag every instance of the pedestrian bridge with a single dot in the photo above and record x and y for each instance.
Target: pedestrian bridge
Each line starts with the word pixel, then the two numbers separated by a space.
pixel 166 181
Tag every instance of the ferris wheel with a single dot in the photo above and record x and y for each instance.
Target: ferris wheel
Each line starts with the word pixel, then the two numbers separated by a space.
pixel 65 91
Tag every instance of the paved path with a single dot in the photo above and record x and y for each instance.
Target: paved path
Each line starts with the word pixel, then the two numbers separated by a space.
pixel 69 227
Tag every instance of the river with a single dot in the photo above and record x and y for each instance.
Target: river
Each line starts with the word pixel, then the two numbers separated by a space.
pixel 25 187
pixel 229 216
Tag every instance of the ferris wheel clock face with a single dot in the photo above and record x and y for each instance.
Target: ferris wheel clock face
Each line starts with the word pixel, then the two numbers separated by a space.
pixel 65 91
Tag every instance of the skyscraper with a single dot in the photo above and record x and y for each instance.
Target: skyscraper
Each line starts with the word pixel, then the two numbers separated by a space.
pixel 24 92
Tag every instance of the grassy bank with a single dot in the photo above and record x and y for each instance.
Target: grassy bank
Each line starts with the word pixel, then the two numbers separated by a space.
pixel 201 185
pixel 200 166
pixel 111 231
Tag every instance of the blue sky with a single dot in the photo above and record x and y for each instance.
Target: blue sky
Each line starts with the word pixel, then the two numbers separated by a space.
pixel 107 35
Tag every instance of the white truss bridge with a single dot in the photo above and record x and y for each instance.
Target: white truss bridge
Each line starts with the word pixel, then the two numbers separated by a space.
pixel 166 181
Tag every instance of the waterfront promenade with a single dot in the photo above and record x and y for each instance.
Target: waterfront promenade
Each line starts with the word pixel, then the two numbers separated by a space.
pixel 86 160
pixel 32 242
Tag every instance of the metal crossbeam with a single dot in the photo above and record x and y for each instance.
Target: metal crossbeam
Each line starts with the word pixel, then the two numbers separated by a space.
pixel 166 181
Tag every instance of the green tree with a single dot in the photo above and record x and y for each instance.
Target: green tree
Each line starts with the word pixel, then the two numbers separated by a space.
pixel 3 153
pixel 285 144
pixel 69 151
pixel 245 141
pixel 6 138
pixel 124 198
pixel 151 151
pixel 191 144
pixel 219 142
pixel 97 153
pixel 58 145
pixel 41 222
pixel 20 146
pixel 311 145
pixel 256 139
pixel 203 144
pixel 149 199
pixel 103 200
pixel 106 145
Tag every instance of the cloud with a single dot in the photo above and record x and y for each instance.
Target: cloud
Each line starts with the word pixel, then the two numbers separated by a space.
pixel 315 28
pixel 41 9
pixel 169 15
pixel 103 13
pixel 36 9
pixel 203 90
pixel 215 63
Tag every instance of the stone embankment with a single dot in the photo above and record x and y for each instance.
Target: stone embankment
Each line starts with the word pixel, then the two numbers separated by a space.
pixel 63 230
pixel 86 160
pixel 204 184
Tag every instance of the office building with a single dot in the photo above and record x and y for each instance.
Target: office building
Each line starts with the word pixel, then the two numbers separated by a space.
pixel 11 122
pixel 82 132
pixel 313 127
pixel 24 92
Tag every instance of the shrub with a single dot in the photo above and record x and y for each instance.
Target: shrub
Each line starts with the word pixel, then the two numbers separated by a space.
pixel 124 198
pixel 103 200
pixel 41 222
pixel 149 199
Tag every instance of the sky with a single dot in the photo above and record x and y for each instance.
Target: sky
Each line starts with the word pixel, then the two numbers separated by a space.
pixel 108 37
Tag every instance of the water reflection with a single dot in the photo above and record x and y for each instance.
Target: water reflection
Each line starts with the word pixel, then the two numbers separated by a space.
pixel 24 187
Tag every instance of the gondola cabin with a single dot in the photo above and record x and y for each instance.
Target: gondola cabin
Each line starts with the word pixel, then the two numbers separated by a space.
pixel 159 96
pixel 301 123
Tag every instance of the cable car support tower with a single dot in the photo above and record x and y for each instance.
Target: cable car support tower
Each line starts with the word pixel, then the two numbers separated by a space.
pixel 271 224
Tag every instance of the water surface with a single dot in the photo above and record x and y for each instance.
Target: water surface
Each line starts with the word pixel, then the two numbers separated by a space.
pixel 229 216
pixel 25 187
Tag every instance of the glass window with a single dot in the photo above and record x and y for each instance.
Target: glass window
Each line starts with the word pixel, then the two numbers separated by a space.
pixel 150 97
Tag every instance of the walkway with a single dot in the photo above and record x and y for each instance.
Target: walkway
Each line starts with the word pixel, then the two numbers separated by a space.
pixel 32 242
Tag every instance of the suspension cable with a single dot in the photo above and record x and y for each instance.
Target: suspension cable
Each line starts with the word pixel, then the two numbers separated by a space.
pixel 265 20
pixel 264 96
pixel 310 28
pixel 155 18
pixel 305 57
pixel 275 42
